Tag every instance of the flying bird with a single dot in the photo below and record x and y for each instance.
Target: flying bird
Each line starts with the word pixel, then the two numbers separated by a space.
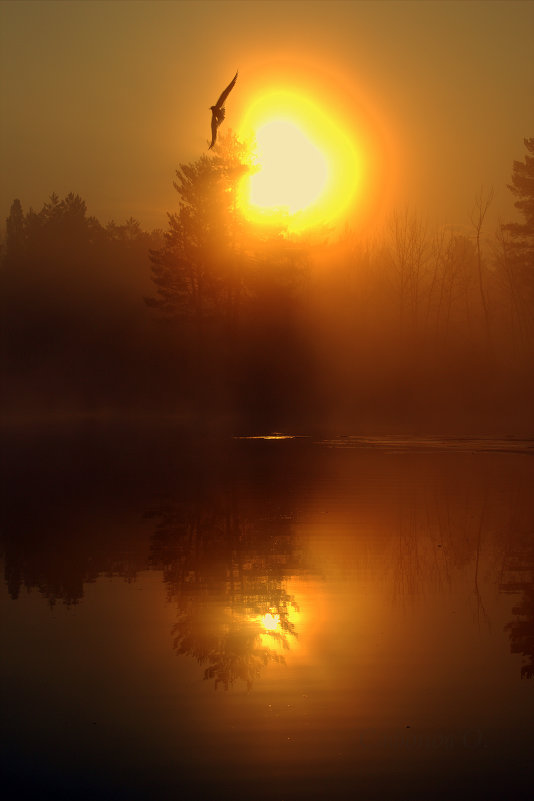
pixel 218 111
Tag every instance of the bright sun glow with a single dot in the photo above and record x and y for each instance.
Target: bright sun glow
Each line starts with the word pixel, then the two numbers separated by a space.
pixel 270 622
pixel 292 173
pixel 308 171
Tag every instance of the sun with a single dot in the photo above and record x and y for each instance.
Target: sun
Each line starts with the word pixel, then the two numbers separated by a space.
pixel 307 171
pixel 293 172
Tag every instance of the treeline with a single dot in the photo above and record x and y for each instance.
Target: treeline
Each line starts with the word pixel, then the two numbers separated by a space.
pixel 73 318
pixel 225 322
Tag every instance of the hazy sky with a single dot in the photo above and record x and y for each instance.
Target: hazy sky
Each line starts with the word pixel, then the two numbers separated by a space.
pixel 106 99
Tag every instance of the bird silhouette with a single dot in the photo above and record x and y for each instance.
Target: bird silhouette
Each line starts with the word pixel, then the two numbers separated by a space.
pixel 218 111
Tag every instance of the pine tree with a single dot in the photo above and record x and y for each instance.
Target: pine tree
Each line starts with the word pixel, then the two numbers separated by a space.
pixel 522 187
pixel 15 233
pixel 194 272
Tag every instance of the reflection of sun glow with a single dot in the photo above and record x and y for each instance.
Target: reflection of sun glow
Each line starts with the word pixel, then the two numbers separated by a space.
pixel 268 436
pixel 270 622
pixel 308 169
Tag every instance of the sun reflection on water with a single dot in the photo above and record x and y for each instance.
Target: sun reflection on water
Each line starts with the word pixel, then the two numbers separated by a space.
pixel 274 435
pixel 270 622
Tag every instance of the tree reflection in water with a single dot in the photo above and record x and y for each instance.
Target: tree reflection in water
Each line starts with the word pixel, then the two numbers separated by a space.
pixel 518 577
pixel 225 540
pixel 228 574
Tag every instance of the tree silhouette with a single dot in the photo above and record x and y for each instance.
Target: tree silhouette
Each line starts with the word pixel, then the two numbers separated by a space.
pixel 195 271
pixel 232 291
pixel 522 187
pixel 73 320
pixel 521 247
pixel 15 233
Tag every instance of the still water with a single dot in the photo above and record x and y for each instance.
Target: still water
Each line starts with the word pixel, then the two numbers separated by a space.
pixel 280 619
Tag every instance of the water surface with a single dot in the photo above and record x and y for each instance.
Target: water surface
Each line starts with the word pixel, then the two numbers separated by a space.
pixel 280 618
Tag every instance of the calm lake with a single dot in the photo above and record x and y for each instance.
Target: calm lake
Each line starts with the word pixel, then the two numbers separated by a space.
pixel 300 618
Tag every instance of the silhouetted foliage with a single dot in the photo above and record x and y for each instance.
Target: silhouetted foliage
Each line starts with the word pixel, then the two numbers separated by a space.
pixel 256 328
pixel 189 270
pixel 518 577
pixel 15 233
pixel 211 255
pixel 232 291
pixel 71 304
pixel 516 256
pixel 522 187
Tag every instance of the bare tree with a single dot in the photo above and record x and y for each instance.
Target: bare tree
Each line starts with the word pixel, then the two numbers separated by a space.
pixel 410 253
pixel 482 203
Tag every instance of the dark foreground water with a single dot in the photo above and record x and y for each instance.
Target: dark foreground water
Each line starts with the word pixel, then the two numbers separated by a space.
pixel 266 619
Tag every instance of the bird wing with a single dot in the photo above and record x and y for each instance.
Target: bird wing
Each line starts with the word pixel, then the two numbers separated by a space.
pixel 224 95
pixel 214 126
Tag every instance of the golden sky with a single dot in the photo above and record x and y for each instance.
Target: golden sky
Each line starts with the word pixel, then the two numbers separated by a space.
pixel 106 99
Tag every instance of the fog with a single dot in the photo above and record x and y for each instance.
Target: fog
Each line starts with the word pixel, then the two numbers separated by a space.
pixel 224 324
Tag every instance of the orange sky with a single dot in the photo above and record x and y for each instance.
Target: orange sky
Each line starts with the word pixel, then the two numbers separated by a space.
pixel 107 98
